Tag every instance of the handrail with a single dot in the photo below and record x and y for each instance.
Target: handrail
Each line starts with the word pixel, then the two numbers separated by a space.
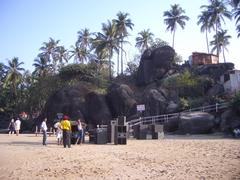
pixel 166 117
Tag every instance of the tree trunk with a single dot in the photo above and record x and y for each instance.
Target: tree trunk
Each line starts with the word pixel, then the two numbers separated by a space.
pixel 223 54
pixel 207 41
pixel 118 62
pixel 173 38
pixel 122 57
pixel 217 40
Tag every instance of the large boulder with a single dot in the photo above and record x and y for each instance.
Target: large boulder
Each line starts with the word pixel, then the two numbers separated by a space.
pixel 172 124
pixel 69 101
pixel 196 123
pixel 121 100
pixel 214 70
pixel 155 101
pixel 154 64
pixel 229 121
pixel 97 109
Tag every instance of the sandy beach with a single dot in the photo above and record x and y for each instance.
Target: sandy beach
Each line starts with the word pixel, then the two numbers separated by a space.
pixel 174 157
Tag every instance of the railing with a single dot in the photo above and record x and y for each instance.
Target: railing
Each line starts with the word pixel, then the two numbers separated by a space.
pixel 166 117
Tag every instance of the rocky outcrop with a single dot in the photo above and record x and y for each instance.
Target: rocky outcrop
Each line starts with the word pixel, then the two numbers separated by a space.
pixel 154 64
pixel 121 100
pixel 196 123
pixel 229 121
pixel 97 109
pixel 69 101
pixel 214 70
pixel 155 102
pixel 217 89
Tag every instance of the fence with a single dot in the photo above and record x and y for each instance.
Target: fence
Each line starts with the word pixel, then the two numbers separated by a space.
pixel 166 117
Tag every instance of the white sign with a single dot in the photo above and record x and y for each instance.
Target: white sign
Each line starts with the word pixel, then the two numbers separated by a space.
pixel 141 107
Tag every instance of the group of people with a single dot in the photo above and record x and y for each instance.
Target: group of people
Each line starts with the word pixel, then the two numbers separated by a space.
pixel 14 126
pixel 63 131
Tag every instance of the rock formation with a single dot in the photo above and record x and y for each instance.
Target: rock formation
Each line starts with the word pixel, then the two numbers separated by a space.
pixel 154 64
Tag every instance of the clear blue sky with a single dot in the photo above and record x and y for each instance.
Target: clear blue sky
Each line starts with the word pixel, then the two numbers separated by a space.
pixel 26 24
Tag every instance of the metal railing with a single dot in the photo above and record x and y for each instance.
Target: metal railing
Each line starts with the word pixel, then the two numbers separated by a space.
pixel 160 119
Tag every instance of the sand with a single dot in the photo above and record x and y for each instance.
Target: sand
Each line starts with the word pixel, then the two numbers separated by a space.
pixel 174 157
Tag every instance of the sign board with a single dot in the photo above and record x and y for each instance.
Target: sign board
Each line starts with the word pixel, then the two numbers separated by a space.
pixel 59 115
pixel 141 107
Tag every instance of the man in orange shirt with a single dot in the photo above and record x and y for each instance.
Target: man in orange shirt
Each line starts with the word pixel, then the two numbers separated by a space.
pixel 66 127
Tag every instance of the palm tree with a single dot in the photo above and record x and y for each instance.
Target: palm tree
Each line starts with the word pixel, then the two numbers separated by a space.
pixel 41 66
pixel 61 55
pixel 122 23
pixel 221 40
pixel 144 40
pixel 79 54
pixel 13 76
pixel 203 19
pixel 217 11
pixel 173 18
pixel 84 38
pixel 236 14
pixel 107 42
pixel 235 3
pixel 49 51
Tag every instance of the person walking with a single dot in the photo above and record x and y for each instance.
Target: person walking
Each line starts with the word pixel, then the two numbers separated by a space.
pixel 44 130
pixel 17 126
pixel 66 127
pixel 11 127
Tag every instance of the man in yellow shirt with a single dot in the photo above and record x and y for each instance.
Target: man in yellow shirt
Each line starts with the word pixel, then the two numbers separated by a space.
pixel 66 127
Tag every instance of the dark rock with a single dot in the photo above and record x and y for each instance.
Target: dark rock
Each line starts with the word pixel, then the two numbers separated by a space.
pixel 154 64
pixel 155 102
pixel 172 107
pixel 229 121
pixel 196 123
pixel 217 89
pixel 97 109
pixel 69 101
pixel 121 100
pixel 171 125
pixel 214 70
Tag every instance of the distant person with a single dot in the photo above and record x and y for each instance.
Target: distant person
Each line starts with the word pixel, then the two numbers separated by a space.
pixel 17 126
pixel 66 127
pixel 44 130
pixel 11 127
pixel 59 133
pixel 79 132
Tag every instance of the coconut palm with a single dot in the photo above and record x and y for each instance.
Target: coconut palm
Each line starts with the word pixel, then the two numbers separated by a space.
pixel 84 38
pixel 107 42
pixel 221 40
pixel 235 3
pixel 42 68
pixel 203 19
pixel 49 52
pixel 175 17
pixel 236 14
pixel 217 11
pixel 144 40
pixel 78 53
pixel 13 76
pixel 48 49
pixel 61 54
pixel 122 23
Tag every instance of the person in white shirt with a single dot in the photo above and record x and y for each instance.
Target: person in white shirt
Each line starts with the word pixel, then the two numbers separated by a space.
pixel 80 132
pixel 17 126
pixel 44 130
